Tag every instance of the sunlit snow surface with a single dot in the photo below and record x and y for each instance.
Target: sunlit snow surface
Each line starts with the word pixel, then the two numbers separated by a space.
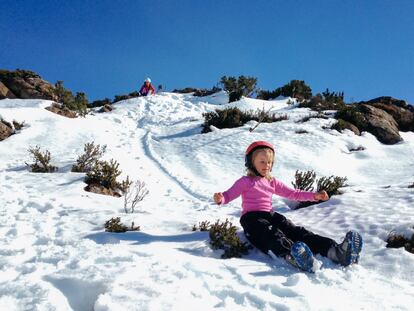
pixel 55 255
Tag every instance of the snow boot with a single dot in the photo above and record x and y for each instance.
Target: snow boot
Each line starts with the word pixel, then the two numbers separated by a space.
pixel 347 252
pixel 301 257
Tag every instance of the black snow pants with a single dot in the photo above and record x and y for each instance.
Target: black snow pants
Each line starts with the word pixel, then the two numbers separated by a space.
pixel 273 231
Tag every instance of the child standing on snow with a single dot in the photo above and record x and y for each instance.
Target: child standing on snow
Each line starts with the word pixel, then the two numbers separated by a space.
pixel 271 232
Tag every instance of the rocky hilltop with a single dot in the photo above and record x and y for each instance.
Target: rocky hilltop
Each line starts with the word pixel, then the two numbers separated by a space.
pixel 24 84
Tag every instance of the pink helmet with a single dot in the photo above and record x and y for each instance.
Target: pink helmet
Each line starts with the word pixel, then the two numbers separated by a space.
pixel 248 162
pixel 257 144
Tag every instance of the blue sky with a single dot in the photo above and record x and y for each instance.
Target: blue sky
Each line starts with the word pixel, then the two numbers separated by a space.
pixel 105 48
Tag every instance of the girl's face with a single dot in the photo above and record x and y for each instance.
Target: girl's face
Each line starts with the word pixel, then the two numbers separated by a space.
pixel 263 161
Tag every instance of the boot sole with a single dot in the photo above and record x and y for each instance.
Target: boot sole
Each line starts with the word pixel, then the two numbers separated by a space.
pixel 303 256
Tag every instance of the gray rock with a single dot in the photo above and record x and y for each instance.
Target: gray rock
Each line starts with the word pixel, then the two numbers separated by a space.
pixel 5 130
pixel 381 124
pixel 5 92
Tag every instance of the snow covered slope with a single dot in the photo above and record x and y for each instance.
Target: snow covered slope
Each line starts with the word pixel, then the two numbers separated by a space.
pixel 55 255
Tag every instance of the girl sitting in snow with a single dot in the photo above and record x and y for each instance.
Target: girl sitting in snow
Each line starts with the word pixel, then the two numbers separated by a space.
pixel 271 232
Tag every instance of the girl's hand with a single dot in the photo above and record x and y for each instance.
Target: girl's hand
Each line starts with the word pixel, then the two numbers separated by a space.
pixel 321 196
pixel 218 197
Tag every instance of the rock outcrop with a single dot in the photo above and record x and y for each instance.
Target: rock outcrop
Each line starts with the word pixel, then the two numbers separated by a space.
pixel 24 84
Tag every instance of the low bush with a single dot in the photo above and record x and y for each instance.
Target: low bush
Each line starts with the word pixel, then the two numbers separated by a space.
pixel 306 180
pixel 295 89
pixel 41 161
pixel 104 173
pixel 91 156
pixel 202 226
pixel 100 103
pixel 236 88
pixel 325 101
pixel 115 225
pixel 318 115
pixel 234 117
pixel 331 184
pixel 224 236
pixel 78 103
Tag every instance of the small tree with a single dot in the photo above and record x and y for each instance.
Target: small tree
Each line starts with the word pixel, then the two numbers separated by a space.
pixel 78 103
pixel 104 174
pixel 242 86
pixel 87 161
pixel 42 161
pixel 81 103
pixel 133 194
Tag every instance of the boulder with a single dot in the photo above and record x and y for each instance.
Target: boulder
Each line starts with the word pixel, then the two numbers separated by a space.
pixel 26 84
pixel 5 92
pixel 381 124
pixel 61 110
pixel 106 108
pixel 402 113
pixel 5 130
pixel 373 120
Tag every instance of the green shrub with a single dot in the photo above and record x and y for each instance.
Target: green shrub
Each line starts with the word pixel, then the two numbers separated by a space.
pixel 224 236
pixel 104 173
pixel 100 103
pixel 78 103
pixel 202 226
pixel 295 88
pixel 331 184
pixel 325 101
pixel 41 161
pixel 121 97
pixel 352 115
pixel 236 88
pixel 234 117
pixel 304 180
pixel 318 115
pixel 115 225
pixel 91 155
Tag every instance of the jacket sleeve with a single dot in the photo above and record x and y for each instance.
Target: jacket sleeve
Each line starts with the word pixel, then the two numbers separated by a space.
pixel 235 191
pixel 141 90
pixel 152 89
pixel 292 194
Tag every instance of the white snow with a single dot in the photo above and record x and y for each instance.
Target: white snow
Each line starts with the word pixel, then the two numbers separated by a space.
pixel 55 254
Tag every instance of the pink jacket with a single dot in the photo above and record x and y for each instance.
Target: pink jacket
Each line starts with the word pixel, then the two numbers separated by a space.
pixel 257 193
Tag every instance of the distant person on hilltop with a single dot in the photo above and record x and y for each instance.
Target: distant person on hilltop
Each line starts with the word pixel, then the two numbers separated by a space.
pixel 147 88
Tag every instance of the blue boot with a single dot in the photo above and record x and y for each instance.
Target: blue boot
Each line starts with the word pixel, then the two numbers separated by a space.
pixel 347 253
pixel 301 257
